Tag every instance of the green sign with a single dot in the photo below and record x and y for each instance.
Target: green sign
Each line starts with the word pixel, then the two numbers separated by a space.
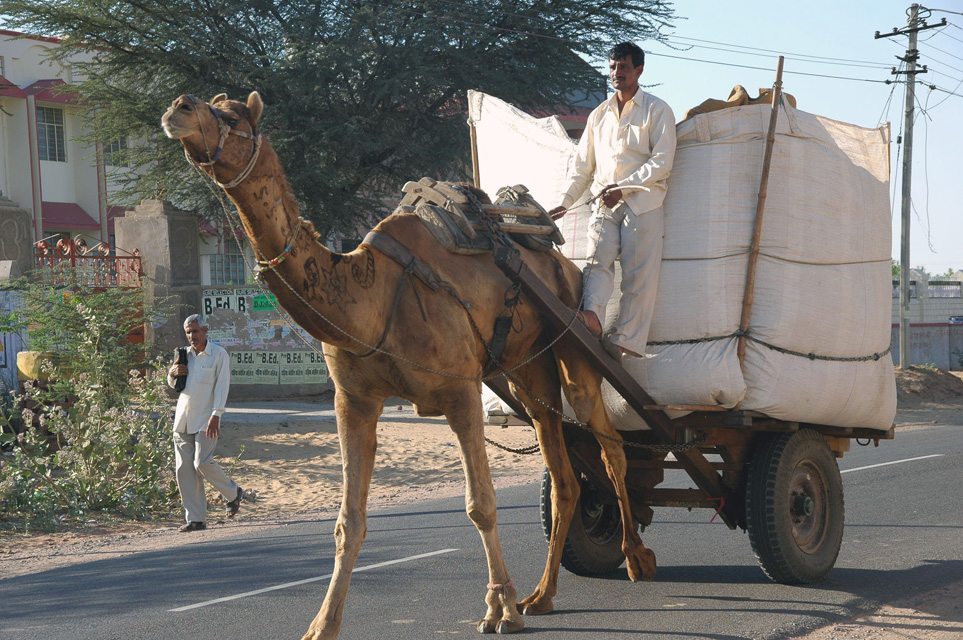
pixel 264 302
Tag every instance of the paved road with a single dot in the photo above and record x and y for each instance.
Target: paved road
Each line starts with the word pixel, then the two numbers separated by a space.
pixel 424 571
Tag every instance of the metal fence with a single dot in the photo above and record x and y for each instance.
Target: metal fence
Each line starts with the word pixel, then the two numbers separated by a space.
pixel 896 289
pixel 70 263
pixel 945 289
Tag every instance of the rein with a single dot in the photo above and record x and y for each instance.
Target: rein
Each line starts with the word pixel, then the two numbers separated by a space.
pixel 225 131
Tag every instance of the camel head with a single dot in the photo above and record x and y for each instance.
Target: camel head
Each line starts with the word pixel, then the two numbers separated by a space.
pixel 206 129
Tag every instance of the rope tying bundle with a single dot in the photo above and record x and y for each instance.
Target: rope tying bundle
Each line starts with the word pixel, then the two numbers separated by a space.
pixel 747 336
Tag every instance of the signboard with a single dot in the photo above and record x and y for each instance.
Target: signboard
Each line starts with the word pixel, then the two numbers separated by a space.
pixel 246 317
pixel 272 367
pixel 303 367
pixel 259 338
pixel 956 319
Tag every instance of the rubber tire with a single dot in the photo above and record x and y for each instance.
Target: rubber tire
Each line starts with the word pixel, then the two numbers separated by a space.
pixel 593 546
pixel 781 465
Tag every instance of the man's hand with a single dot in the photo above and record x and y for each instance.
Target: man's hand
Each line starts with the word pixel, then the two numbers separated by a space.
pixel 611 196
pixel 213 427
pixel 177 370
pixel 557 213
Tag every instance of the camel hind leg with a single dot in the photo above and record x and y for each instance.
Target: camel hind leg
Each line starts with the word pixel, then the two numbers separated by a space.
pixel 464 413
pixel 357 431
pixel 582 384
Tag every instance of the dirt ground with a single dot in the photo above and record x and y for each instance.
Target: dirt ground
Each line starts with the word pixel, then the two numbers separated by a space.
pixel 286 456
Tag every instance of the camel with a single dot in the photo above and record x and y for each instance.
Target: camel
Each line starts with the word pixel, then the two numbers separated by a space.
pixel 432 355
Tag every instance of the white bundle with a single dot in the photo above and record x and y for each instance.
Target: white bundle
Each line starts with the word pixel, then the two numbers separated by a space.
pixel 819 329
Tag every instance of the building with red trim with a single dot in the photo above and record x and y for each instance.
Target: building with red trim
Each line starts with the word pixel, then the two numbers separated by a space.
pixel 67 185
pixel 44 169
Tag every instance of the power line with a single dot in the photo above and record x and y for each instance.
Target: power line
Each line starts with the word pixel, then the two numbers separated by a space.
pixel 944 33
pixel 947 53
pixel 787 57
pixel 952 93
pixel 800 55
pixel 743 66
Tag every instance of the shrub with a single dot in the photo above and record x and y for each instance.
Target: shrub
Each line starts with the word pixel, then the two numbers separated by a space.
pixel 96 438
pixel 90 457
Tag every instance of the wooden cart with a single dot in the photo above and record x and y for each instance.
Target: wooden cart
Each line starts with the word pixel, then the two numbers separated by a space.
pixel 777 480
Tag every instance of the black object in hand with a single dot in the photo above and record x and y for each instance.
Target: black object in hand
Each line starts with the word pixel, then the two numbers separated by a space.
pixel 180 357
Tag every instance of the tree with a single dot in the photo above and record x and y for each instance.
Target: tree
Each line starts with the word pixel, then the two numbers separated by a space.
pixel 360 96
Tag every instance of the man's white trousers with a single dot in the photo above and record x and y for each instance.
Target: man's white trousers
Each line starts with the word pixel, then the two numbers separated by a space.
pixel 636 241
pixel 194 453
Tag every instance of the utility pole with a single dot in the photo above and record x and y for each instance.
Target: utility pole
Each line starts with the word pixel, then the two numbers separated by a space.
pixel 915 25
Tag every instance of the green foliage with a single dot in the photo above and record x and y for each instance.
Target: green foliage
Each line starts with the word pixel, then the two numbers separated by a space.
pixel 96 437
pixel 90 326
pixel 360 97
pixel 895 268
pixel 84 457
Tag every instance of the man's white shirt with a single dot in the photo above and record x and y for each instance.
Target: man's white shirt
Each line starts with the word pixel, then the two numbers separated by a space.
pixel 205 394
pixel 634 149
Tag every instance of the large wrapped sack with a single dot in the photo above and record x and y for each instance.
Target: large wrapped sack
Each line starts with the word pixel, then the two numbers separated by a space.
pixel 819 329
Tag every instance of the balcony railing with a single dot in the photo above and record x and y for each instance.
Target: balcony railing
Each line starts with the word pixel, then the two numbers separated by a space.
pixel 70 263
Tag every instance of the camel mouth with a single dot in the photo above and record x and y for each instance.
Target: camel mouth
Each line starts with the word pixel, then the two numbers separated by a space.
pixel 172 129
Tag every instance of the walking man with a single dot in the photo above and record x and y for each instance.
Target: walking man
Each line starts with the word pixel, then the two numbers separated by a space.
pixel 197 423
pixel 624 156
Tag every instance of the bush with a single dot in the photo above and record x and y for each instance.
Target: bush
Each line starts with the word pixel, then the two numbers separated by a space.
pixel 96 438
pixel 90 457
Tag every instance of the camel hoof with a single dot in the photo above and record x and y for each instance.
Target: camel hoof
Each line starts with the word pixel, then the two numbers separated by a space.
pixel 641 566
pixel 536 607
pixel 509 626
pixel 486 626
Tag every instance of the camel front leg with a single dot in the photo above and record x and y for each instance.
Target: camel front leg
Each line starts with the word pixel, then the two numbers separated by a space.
pixel 467 421
pixel 357 432
pixel 542 381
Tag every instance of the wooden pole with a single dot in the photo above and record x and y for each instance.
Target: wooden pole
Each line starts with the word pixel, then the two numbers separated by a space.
pixel 760 209
pixel 474 155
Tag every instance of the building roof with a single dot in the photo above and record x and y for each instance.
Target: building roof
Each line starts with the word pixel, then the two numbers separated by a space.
pixel 11 90
pixel 27 36
pixel 46 90
pixel 66 216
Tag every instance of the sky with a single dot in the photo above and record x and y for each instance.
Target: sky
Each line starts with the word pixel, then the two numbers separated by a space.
pixel 837 39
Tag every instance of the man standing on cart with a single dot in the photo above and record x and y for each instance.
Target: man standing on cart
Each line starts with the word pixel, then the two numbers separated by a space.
pixel 624 158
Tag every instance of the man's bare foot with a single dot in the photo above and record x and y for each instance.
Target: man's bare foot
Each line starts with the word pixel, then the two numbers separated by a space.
pixel 591 320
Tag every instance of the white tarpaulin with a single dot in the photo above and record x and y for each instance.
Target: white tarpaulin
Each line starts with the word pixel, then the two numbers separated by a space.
pixel 819 328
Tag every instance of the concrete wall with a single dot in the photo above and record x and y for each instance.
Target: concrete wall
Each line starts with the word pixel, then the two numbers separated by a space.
pixel 932 344
pixel 269 359
pixel 936 329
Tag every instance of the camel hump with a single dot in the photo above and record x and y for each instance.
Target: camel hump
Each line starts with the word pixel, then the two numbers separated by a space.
pixel 462 218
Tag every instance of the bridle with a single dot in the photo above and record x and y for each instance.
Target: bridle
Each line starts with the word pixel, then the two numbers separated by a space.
pixel 225 130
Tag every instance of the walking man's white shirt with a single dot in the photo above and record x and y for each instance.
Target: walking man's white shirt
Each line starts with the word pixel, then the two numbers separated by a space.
pixel 204 397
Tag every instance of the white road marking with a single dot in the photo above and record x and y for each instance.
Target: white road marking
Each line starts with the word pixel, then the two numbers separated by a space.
pixel 883 464
pixel 306 581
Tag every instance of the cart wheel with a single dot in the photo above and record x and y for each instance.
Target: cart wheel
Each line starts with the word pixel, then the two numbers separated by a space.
pixel 594 543
pixel 794 507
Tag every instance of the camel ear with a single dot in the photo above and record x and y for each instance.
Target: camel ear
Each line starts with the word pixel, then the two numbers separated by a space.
pixel 255 106
pixel 218 98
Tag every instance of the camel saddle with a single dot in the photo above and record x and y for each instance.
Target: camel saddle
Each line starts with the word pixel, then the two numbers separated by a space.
pixel 455 216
